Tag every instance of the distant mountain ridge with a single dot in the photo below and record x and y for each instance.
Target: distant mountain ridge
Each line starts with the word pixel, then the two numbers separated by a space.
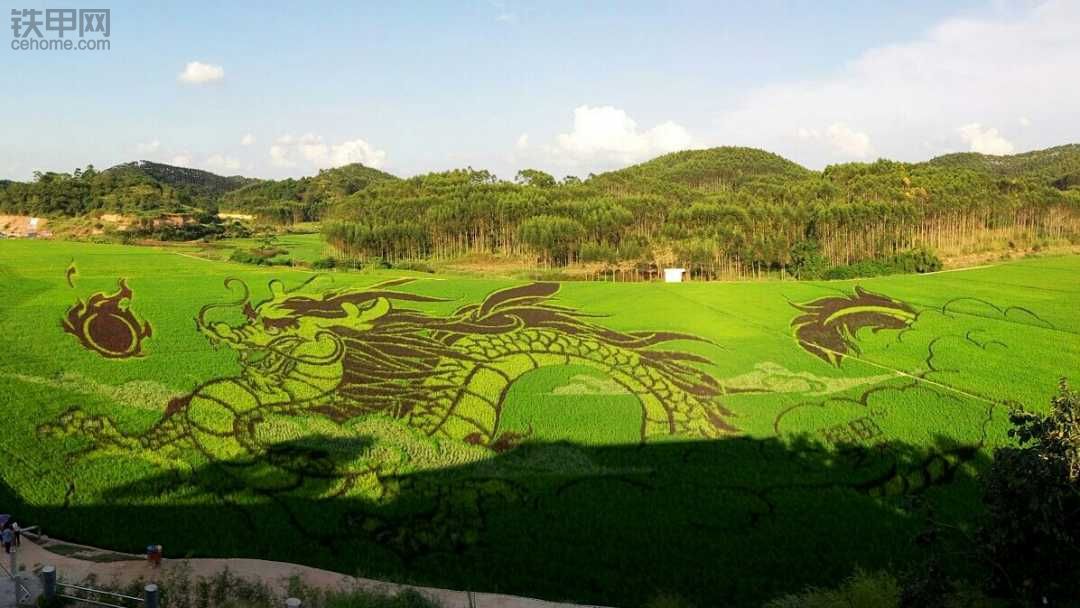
pixel 195 182
pixel 1059 165
pixel 304 198
pixel 753 174
pixel 709 169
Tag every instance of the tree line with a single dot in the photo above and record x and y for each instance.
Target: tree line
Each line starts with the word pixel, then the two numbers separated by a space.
pixel 723 212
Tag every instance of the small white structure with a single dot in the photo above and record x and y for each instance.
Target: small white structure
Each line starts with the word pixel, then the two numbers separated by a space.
pixel 674 275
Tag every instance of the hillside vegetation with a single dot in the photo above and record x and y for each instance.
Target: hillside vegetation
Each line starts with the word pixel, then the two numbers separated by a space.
pixel 305 199
pixel 193 182
pixel 721 212
pixel 1059 165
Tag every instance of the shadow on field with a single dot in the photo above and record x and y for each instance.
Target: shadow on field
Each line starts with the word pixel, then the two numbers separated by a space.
pixel 726 522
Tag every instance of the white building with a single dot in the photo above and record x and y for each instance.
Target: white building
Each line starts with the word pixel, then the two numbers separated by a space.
pixel 674 275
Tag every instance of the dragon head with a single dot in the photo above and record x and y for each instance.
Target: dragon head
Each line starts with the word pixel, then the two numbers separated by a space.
pixel 294 326
pixel 829 327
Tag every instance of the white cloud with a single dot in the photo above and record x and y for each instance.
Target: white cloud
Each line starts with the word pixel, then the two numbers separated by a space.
pixel 279 155
pixel 356 151
pixel 148 148
pixel 181 160
pixel 221 162
pixel 841 139
pixel 522 142
pixel 247 139
pixel 986 141
pixel 1024 121
pixel 505 14
pixel 287 151
pixel 848 141
pixel 605 134
pixel 196 72
pixel 919 91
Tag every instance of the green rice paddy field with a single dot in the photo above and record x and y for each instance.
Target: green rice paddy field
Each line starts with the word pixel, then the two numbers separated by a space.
pixel 596 442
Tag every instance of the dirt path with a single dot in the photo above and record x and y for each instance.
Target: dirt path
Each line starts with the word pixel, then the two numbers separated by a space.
pixel 74 563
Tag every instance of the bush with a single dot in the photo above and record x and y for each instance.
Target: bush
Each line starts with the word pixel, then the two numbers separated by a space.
pixel 326 263
pixel 1031 536
pixel 416 266
pixel 598 252
pixel 807 261
pixel 260 257
pixel 913 261
pixel 862 590
pixel 179 589
pixel 917 260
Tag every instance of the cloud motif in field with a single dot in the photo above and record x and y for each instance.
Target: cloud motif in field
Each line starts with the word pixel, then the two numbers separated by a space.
pixel 584 384
pixel 968 345
pixel 912 413
pixel 138 394
pixel 877 431
pixel 769 377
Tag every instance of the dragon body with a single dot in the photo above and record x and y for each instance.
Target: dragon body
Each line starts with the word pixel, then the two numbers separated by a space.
pixel 349 354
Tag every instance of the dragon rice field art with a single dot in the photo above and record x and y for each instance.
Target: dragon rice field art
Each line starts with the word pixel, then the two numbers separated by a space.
pixel 407 430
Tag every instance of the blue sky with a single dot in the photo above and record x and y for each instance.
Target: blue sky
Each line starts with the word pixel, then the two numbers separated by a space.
pixel 283 89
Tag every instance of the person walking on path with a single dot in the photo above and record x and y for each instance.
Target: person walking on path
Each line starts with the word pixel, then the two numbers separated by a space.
pixel 16 532
pixel 7 536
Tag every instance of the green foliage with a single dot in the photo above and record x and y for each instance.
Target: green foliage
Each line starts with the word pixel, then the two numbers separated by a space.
pixel 131 188
pixel 326 263
pixel 194 183
pixel 414 266
pixel 224 589
pixel 719 211
pixel 862 590
pixel 556 237
pixel 532 177
pixel 884 590
pixel 1060 164
pixel 807 262
pixel 298 200
pixel 722 212
pixel 914 261
pixel 1032 494
pixel 261 257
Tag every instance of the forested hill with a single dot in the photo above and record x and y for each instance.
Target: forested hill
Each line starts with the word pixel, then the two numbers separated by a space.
pixel 193 182
pixel 712 169
pixel 723 211
pixel 145 187
pixel 1059 166
pixel 301 199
